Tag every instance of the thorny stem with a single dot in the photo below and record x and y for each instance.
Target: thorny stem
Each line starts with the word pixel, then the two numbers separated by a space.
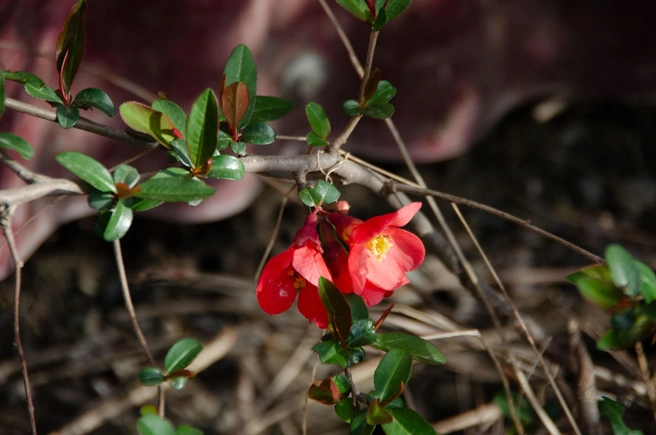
pixel 5 222
pixel 133 318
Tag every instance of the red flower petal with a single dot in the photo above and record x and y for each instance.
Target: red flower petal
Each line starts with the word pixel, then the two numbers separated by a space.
pixel 376 225
pixel 372 295
pixel 275 289
pixel 310 264
pixel 311 307
pixel 407 249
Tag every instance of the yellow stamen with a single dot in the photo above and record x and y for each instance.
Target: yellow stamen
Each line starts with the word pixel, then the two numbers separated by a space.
pixel 298 280
pixel 379 246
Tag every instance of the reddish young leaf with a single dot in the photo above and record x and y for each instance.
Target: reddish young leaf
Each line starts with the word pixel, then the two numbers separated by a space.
pixel 371 86
pixel 234 103
pixel 372 7
pixel 70 47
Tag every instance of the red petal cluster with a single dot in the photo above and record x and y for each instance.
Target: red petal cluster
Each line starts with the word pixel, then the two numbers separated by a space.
pixel 369 258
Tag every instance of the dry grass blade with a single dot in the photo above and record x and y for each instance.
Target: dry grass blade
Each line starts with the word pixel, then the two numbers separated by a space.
pixel 484 415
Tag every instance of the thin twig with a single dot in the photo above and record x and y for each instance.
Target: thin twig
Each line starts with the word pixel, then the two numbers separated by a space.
pixel 133 318
pixel 368 63
pixel 537 407
pixel 353 57
pixel 5 222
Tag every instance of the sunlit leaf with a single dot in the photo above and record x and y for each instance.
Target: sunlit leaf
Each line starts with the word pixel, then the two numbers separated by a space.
pixel 407 422
pixel 226 168
pixel 94 98
pixel 181 354
pixel 240 67
pixel 623 270
pixel 173 111
pixel 11 141
pixel 318 120
pixel 181 152
pixel 418 348
pixel 42 92
pixel 202 128
pixel 154 425
pixel 88 169
pixel 147 120
pixel 127 175
pixel 600 292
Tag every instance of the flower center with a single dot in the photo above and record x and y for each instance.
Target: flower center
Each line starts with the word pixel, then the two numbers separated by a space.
pixel 379 246
pixel 298 281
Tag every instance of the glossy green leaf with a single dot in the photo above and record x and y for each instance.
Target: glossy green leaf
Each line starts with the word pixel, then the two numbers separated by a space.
pixel 174 189
pixel 359 310
pixel 380 21
pixel 234 104
pixel 151 376
pixel 623 270
pixel 224 140
pixel 324 392
pixel 377 111
pixel 362 333
pixel 127 175
pixel 147 120
pixel 648 280
pixel 240 67
pixel 88 169
pixel 10 141
pixel 42 92
pixel 342 384
pixel 351 107
pixel 178 382
pixel 67 116
pixel 187 430
pixel 270 108
pixel 345 410
pixel 393 370
pixel 315 141
pixel 339 312
pixel 154 425
pixel 258 133
pixel 377 415
pixel 418 348
pixel 614 339
pixel 203 128
pixel 140 204
pixel 323 193
pixel 92 98
pixel 358 8
pixel 613 412
pixel 318 120
pixel 70 46
pixel 22 77
pixel 119 222
pixel 330 352
pixel 173 112
pixel 101 200
pixel 359 425
pixel 396 7
pixel 407 422
pixel 601 293
pixel 383 94
pixel 181 354
pixel 226 168
pixel 356 356
pixel 181 152
pixel 238 147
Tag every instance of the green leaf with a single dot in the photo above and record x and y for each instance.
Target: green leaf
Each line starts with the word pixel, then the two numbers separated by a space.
pixel 202 131
pixel 119 222
pixel 178 382
pixel 615 339
pixel 42 92
pixel 318 120
pixel 392 371
pixel 323 193
pixel 67 116
pixel 396 7
pixel 339 312
pixel 377 111
pixel 187 430
pixel 359 425
pixel 94 98
pixel 88 169
pixel 383 94
pixel 173 112
pixel 377 415
pixel 623 270
pixel 351 107
pixel 174 189
pixel 224 140
pixel 240 67
pixel 258 133
pixel 330 352
pixel 154 425
pixel 359 309
pixel 315 141
pixel 601 293
pixel 22 77
pixel 101 200
pixel 324 392
pixel 356 356
pixel 70 46
pixel 522 406
pixel 362 333
pixel 407 422
pixel 148 410
pixel 345 410
pixel 181 354
pixel 358 8
pixel 613 412
pixel 127 175
pixel 648 279
pixel 146 120
pixel 226 168
pixel 11 141
pixel 381 20
pixel 418 348
pixel 151 376
pixel 342 384
pixel 181 152
pixel 270 108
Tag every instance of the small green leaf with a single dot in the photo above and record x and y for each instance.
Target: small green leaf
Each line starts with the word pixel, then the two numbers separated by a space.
pixel 323 193
pixel 613 412
pixel 148 410
pixel 224 140
pixel 392 371
pixel 648 279
pixel 342 384
pixel 601 293
pixel 345 410
pixel 146 120
pixel 181 354
pixel 127 175
pixel 258 133
pixel 315 141
pixel 351 107
pixel 226 168
pixel 67 116
pixel 173 112
pixel 381 20
pixel 94 98
pixel 238 147
pixel 270 108
pixel 119 222
pixel 11 141
pixel 154 425
pixel 41 91
pixel 377 111
pixel 181 152
pixel 325 392
pixel 359 309
pixel 383 94
pixel 418 348
pixel 187 430
pixel 339 312
pixel 359 425
pixel 407 422
pixel 203 128
pixel 87 169
pixel 623 269
pixel 330 352
pixel 101 200
pixel 358 8
pixel 615 339
pixel 174 189
pixel 377 415
pixel 362 333
pixel 396 7
pixel 151 376
pixel 70 46
pixel 318 120
pixel 178 382
pixel 356 356
pixel 240 67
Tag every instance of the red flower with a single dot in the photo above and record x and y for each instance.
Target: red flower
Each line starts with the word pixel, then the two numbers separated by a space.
pixel 380 253
pixel 296 270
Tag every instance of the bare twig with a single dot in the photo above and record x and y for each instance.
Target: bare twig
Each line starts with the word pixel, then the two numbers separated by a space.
pixel 5 222
pixel 353 57
pixel 537 407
